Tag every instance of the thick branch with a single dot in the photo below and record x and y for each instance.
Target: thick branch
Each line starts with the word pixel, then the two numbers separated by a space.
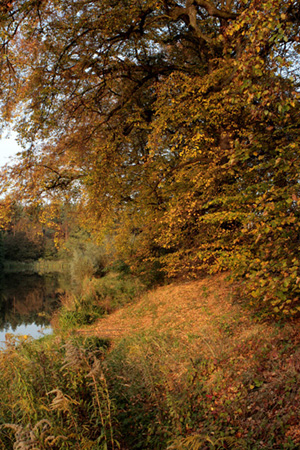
pixel 189 15
pixel 213 11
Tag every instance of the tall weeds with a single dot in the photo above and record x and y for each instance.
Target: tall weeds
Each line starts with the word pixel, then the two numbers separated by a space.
pixel 54 395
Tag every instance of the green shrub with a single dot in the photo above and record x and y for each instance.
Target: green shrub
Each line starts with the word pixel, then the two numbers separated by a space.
pixel 98 297
pixel 112 291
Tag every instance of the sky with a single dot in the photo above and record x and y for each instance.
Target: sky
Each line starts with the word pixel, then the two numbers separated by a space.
pixel 8 147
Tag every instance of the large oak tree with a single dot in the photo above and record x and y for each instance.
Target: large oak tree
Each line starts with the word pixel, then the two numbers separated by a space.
pixel 175 124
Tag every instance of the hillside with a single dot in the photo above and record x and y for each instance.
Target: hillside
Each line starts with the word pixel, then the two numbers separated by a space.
pixel 183 307
pixel 188 358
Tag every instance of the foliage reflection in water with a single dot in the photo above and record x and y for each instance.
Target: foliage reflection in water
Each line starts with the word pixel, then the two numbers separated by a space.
pixel 27 303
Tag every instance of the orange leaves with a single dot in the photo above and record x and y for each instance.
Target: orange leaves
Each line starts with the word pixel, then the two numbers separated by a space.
pixel 5 213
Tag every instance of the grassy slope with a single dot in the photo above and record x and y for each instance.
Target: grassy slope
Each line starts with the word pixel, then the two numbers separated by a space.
pixel 191 369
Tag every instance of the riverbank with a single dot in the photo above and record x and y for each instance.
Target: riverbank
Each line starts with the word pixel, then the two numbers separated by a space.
pixel 184 366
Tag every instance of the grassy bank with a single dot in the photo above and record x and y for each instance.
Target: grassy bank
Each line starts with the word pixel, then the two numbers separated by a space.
pixel 183 367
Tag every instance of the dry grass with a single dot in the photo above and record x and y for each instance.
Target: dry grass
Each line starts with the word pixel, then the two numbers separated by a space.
pixel 202 310
pixel 175 306
pixel 201 315
pixel 178 334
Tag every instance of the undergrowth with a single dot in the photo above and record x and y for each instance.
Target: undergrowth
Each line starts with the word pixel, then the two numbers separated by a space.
pixel 54 395
pixel 172 394
pixel 97 297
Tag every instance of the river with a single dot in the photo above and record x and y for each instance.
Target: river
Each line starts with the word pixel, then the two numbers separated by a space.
pixel 27 303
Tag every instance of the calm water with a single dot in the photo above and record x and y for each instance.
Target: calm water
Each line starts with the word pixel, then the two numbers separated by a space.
pixel 27 303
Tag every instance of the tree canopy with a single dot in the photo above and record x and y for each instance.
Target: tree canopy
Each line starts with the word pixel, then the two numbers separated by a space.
pixel 173 126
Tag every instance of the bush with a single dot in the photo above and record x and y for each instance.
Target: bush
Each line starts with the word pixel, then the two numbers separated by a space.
pixel 98 297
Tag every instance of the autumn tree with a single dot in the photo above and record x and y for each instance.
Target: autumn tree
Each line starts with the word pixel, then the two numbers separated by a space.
pixel 175 126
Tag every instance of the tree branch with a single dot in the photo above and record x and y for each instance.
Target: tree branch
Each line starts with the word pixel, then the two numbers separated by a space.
pixel 213 11
pixel 189 15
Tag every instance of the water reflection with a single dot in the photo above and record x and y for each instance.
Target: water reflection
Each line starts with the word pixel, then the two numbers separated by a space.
pixel 27 302
pixel 24 331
